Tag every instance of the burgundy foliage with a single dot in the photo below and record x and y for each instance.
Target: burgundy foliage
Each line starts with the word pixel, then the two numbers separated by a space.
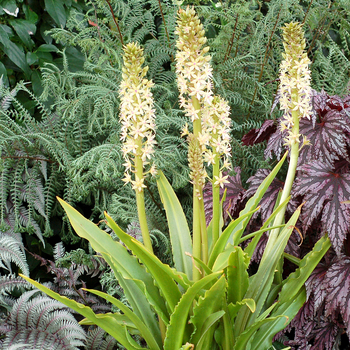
pixel 259 135
pixel 233 201
pixel 323 190
pixel 337 285
pixel 323 184
pixel 275 145
pixel 69 282
pixel 267 203
pixel 328 137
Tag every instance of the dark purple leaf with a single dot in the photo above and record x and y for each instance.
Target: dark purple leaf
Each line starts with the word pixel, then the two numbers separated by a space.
pixel 319 102
pixel 323 103
pixel 293 245
pixel 325 335
pixel 324 190
pixel 275 145
pixel 303 324
pixel 311 331
pixel 336 102
pixel 338 293
pixel 234 195
pixel 316 287
pixel 341 166
pixel 328 137
pixel 259 249
pixel 255 136
pixel 268 201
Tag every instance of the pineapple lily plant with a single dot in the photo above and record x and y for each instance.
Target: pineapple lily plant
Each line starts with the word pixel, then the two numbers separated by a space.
pixel 207 300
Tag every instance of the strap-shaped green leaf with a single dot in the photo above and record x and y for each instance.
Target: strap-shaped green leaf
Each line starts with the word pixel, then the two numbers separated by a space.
pixel 254 201
pixel 206 336
pixel 258 233
pixel 222 260
pixel 296 280
pixel 105 321
pixel 126 267
pixel 178 320
pixel 163 275
pixel 121 319
pixel 222 241
pixel 252 245
pixel 234 308
pixel 140 299
pixel 264 336
pixel 178 228
pixel 144 331
pixel 247 336
pixel 211 302
pixel 237 275
pixel 261 282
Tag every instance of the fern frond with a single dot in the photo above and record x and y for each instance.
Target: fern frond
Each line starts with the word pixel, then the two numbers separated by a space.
pixel 10 282
pixel 330 71
pixel 96 340
pixel 41 322
pixel 11 251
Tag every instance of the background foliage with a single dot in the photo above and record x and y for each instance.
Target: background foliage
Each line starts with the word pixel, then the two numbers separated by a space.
pixel 25 47
pixel 59 133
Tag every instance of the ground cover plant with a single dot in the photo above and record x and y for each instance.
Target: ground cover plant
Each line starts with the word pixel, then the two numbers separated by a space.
pixel 207 300
pixel 70 150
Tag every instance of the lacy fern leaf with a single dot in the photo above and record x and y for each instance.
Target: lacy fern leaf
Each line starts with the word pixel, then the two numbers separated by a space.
pixel 41 322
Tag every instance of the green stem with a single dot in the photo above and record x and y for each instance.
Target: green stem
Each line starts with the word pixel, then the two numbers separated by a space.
pixel 200 241
pixel 196 236
pixel 216 200
pixel 204 235
pixel 140 198
pixel 141 210
pixel 294 154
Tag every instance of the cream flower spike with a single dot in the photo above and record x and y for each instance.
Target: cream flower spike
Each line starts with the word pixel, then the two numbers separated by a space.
pixel 194 78
pixel 137 116
pixel 295 89
pixel 193 69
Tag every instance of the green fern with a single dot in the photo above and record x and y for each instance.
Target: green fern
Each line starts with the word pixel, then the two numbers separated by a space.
pixel 73 148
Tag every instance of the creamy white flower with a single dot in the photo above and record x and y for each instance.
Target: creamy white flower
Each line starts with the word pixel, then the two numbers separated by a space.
pixel 137 114
pixel 295 90
pixel 194 78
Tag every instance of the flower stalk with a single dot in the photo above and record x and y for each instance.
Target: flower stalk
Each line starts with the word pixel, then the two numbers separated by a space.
pixel 295 92
pixel 216 122
pixel 137 131
pixel 210 117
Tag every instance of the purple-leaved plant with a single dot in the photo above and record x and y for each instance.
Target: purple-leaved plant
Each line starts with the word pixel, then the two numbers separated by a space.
pixel 323 184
